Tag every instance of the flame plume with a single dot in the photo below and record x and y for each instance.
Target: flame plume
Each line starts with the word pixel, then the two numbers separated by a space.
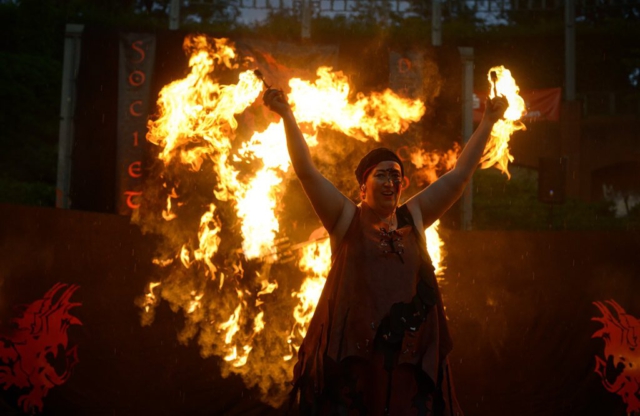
pixel 497 150
pixel 315 261
pixel 429 165
pixel 325 103
pixel 225 258
pixel 435 248
pixel 262 191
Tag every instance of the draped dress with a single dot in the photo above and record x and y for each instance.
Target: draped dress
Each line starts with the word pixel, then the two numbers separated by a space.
pixel 378 341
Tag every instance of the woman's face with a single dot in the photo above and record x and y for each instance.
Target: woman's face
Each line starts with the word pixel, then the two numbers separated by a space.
pixel 383 186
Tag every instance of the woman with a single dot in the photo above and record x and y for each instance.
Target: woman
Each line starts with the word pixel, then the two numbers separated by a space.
pixel 378 341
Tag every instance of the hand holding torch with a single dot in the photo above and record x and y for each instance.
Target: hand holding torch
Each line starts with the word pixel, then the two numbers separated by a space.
pixel 494 81
pixel 273 98
pixel 259 75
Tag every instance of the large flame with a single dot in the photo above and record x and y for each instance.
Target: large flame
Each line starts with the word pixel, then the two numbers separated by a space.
pixel 325 102
pixel 256 206
pixel 435 248
pixel 315 261
pixel 225 261
pixel 497 150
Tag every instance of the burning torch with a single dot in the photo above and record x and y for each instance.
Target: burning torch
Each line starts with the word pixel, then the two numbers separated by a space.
pixel 493 75
pixel 494 81
pixel 278 95
pixel 259 75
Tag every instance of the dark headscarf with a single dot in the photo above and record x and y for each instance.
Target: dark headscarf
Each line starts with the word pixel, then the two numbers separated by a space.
pixel 380 154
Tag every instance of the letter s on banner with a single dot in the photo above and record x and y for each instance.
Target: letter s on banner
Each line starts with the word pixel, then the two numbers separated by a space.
pixel 137 46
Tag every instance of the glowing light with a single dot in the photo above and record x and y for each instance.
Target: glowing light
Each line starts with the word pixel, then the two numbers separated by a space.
pixel 435 247
pixel 497 150
pixel 315 260
pixel 228 226
pixel 150 297
pixel 325 102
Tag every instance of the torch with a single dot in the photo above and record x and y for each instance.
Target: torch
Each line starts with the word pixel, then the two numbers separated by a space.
pixel 494 81
pixel 259 75
pixel 280 95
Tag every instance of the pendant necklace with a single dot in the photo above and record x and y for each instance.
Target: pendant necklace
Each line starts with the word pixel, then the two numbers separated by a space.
pixel 384 220
pixel 391 240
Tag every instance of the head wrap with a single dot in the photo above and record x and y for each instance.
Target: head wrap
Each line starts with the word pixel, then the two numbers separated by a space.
pixel 380 154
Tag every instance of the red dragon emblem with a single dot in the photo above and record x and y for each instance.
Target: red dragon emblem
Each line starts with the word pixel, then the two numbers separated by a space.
pixel 36 344
pixel 621 371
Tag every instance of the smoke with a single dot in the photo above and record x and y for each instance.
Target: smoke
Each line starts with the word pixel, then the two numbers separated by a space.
pixel 237 305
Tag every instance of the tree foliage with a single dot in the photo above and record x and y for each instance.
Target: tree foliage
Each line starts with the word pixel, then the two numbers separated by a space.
pixel 499 203
pixel 33 39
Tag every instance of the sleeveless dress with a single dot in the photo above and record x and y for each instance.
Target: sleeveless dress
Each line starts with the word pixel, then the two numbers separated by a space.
pixel 378 341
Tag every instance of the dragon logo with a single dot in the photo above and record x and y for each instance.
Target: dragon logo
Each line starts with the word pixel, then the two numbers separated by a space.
pixel 621 371
pixel 34 356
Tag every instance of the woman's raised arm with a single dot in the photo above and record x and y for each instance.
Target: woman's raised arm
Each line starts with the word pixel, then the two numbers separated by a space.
pixel 433 201
pixel 333 208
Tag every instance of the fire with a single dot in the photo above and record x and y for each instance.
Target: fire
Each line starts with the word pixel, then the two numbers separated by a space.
pixel 315 261
pixel 197 110
pixel 224 259
pixel 167 214
pixel 162 263
pixel 258 323
pixel 497 150
pixel 230 328
pixel 429 164
pixel 434 247
pixel 195 302
pixel 262 226
pixel 185 256
pixel 150 297
pixel 238 360
pixel 325 102
pixel 309 295
pixel 208 239
pixel 266 288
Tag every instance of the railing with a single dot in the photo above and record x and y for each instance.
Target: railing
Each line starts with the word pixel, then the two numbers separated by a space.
pixel 401 6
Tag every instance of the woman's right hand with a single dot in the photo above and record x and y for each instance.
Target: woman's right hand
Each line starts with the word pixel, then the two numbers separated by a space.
pixel 276 101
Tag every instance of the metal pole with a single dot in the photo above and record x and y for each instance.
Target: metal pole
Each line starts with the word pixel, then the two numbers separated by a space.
pixel 466 54
pixel 174 15
pixel 570 50
pixel 70 65
pixel 436 23
pixel 306 19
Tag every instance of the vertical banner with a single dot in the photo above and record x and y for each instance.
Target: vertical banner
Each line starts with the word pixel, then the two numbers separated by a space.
pixel 405 73
pixel 136 59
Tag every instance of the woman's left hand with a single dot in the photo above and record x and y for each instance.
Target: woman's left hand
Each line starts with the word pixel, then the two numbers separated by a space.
pixel 495 108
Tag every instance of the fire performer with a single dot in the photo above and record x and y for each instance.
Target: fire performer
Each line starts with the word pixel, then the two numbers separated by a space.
pixel 378 341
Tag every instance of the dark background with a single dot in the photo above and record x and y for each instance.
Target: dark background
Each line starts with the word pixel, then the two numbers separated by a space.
pixel 519 301
pixel 519 306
